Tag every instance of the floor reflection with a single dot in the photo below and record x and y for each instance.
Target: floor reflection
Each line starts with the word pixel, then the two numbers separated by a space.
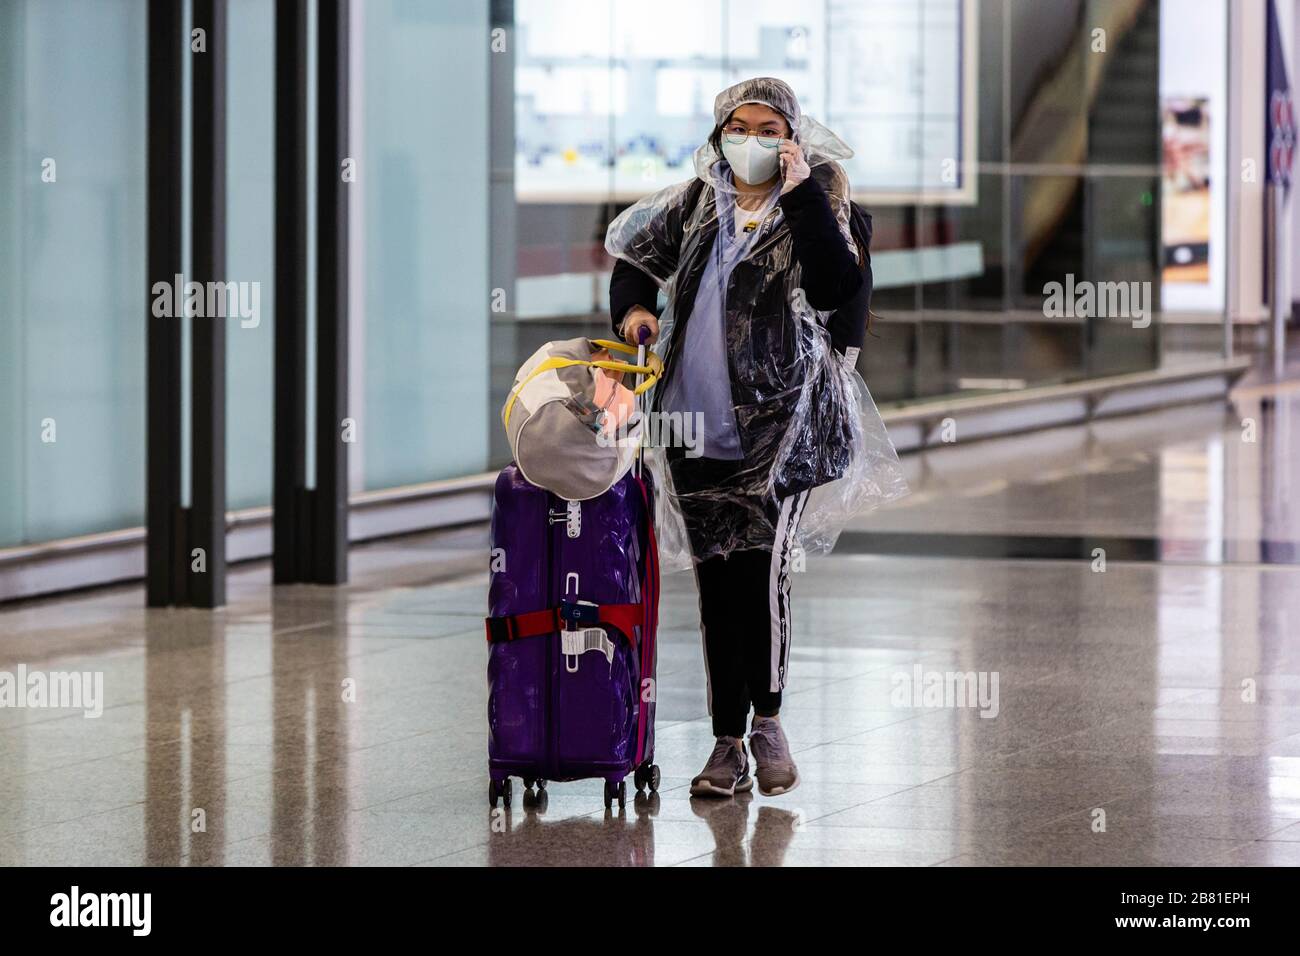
pixel 1189 484
pixel 310 751
pixel 187 796
pixel 521 835
pixel 185 742
pixel 738 834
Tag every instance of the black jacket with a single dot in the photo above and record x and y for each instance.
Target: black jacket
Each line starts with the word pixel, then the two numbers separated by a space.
pixel 848 326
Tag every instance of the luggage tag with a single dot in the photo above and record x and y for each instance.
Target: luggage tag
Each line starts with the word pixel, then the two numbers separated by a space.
pixel 575 643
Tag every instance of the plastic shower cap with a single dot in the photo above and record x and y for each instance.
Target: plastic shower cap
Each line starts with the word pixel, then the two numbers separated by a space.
pixel 767 90
pixel 819 144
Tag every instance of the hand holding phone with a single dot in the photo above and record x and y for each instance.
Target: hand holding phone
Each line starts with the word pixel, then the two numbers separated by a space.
pixel 794 168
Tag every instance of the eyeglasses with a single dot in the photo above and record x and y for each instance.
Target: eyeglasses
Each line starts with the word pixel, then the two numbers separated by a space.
pixel 735 134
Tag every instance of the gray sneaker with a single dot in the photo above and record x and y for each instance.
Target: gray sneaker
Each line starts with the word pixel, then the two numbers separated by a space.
pixel 776 770
pixel 727 771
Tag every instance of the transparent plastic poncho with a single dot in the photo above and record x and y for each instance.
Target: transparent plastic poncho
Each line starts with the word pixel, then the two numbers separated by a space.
pixel 807 416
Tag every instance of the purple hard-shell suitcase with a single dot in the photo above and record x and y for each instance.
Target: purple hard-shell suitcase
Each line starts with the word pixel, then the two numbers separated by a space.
pixel 568 707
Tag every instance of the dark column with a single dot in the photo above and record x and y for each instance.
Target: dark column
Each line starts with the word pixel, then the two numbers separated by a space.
pixel 207 517
pixel 163 551
pixel 310 526
pixel 291 550
pixel 330 511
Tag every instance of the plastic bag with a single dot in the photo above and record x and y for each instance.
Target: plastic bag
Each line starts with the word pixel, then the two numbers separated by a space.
pixel 809 432
pixel 744 513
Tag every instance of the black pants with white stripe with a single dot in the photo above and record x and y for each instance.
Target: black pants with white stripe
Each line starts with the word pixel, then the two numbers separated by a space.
pixel 744 595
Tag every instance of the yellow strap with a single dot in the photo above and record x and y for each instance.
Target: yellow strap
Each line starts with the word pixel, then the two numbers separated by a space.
pixel 652 369
pixel 616 346
pixel 653 360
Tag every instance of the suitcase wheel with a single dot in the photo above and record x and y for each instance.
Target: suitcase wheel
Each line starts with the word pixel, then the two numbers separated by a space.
pixel 501 790
pixel 615 791
pixel 647 776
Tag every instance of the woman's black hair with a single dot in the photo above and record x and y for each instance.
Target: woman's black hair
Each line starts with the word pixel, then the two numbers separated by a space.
pixel 715 138
pixel 864 255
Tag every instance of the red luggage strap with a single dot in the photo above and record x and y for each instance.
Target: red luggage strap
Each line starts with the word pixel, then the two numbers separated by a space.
pixel 513 627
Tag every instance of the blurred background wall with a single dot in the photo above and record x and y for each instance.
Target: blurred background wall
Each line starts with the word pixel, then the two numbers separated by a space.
pixel 1000 145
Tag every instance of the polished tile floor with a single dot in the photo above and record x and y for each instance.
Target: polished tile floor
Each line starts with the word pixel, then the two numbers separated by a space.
pixel 1144 714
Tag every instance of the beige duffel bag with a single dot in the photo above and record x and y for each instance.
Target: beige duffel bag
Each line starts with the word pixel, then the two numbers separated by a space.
pixel 572 424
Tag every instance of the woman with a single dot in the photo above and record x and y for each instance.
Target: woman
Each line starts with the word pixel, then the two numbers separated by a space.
pixel 753 254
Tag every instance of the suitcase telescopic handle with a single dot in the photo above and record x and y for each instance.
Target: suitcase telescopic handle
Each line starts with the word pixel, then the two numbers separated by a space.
pixel 642 334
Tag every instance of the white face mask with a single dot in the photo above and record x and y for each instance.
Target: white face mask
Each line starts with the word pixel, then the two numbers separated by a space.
pixel 751 161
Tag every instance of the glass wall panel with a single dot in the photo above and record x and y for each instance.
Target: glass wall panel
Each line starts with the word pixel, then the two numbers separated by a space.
pixel 72 231
pixel 424 201
pixel 250 249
